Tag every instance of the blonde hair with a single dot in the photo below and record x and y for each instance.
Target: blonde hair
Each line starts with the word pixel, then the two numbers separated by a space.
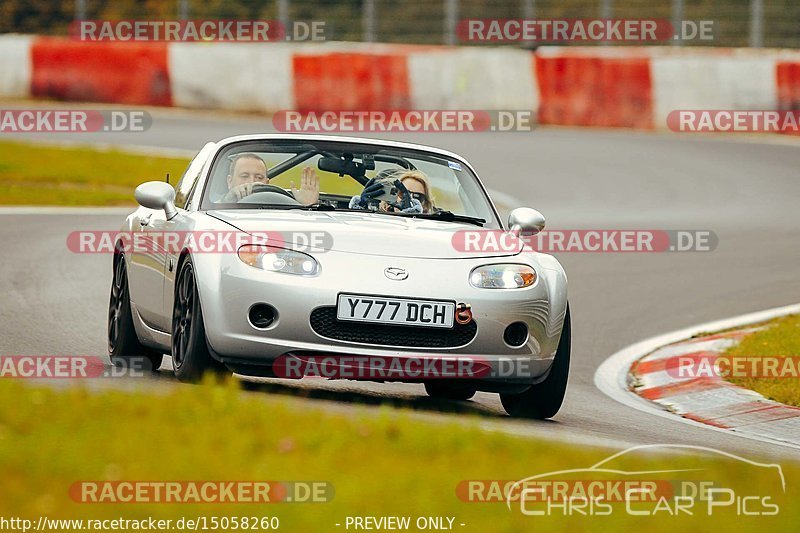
pixel 418 175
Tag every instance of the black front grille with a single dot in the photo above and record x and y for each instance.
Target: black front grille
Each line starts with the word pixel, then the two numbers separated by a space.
pixel 325 324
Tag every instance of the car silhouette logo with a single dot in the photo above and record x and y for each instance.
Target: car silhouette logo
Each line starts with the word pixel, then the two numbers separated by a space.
pixel 396 274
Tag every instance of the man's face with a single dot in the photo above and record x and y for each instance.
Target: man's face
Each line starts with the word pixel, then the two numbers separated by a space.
pixel 248 170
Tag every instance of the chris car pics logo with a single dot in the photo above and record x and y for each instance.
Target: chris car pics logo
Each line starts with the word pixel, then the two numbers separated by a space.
pixel 606 488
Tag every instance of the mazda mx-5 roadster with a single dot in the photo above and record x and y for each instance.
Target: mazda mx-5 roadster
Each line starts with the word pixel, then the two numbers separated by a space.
pixel 297 256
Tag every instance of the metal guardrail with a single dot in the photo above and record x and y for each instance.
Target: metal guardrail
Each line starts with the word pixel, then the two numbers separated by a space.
pixel 740 23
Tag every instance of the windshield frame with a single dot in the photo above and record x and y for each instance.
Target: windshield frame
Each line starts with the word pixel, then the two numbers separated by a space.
pixel 205 204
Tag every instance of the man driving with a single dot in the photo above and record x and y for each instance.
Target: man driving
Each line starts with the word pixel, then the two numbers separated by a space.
pixel 248 170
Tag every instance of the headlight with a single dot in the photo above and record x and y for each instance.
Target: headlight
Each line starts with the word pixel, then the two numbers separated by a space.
pixel 278 260
pixel 502 277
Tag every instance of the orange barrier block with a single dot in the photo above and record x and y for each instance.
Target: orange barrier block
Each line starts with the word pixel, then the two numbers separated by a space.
pixel 351 82
pixel 118 72
pixel 788 77
pixel 595 91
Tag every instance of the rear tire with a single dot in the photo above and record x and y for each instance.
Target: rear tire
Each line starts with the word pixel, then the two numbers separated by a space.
pixel 448 391
pixel 191 358
pixel 544 399
pixel 124 347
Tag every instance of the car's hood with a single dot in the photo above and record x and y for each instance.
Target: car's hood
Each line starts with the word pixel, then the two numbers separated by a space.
pixel 358 233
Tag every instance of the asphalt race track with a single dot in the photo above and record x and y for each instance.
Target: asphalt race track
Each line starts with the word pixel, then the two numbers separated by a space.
pixel 745 190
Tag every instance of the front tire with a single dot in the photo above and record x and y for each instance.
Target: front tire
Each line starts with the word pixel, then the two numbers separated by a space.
pixel 124 347
pixel 191 358
pixel 544 399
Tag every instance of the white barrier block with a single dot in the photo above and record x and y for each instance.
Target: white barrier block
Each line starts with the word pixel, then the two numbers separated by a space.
pixel 473 78
pixel 15 65
pixel 236 76
pixel 715 81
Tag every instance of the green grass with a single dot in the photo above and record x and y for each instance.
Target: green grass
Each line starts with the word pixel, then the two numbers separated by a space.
pixel 384 462
pixel 781 338
pixel 50 175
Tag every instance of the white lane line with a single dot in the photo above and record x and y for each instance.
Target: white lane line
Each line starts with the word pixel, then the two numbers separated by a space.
pixel 611 375
pixel 178 153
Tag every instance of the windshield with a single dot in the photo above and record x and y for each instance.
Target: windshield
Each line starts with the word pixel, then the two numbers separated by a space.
pixel 332 176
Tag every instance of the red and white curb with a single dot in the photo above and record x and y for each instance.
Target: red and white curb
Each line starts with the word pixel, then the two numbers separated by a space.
pixel 638 376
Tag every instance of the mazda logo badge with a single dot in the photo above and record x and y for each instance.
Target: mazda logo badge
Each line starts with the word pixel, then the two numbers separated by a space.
pixel 396 274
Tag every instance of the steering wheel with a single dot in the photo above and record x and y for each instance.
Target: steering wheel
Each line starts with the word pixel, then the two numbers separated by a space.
pixel 269 194
pixel 266 187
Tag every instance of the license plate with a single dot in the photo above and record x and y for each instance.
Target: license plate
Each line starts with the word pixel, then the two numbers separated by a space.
pixel 401 311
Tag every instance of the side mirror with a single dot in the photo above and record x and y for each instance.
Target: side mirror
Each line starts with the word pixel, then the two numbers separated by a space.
pixel 524 220
pixel 157 195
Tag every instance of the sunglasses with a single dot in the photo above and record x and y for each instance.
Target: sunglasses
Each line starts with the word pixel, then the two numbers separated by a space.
pixel 420 196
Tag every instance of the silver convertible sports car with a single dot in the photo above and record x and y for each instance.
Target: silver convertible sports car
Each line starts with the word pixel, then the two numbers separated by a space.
pixel 298 256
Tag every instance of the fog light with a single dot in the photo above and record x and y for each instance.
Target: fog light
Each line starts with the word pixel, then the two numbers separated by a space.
pixel 262 316
pixel 516 334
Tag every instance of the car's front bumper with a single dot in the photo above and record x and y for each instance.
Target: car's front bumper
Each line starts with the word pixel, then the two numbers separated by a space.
pixel 229 288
